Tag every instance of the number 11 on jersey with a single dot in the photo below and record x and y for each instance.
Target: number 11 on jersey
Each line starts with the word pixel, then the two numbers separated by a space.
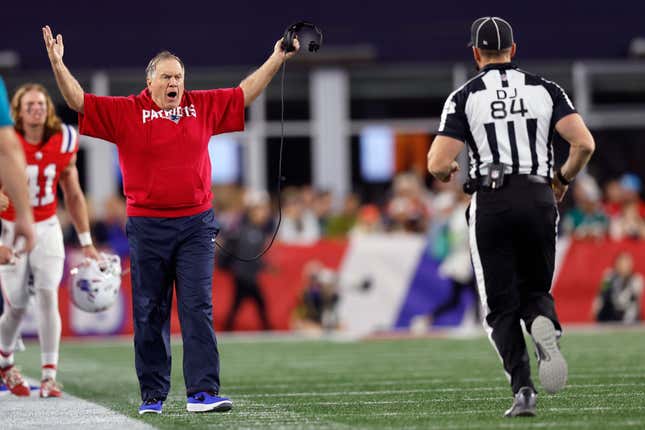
pixel 38 196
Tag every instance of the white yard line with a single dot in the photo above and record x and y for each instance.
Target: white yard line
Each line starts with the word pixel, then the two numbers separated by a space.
pixel 420 390
pixel 430 400
pixel 487 411
pixel 525 424
pixel 67 412
pixel 289 382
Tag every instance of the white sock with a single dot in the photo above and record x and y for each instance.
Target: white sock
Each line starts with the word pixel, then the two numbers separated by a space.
pixel 9 332
pixel 6 359
pixel 49 370
pixel 49 328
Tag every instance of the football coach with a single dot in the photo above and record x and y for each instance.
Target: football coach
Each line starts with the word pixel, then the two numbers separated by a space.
pixel 162 135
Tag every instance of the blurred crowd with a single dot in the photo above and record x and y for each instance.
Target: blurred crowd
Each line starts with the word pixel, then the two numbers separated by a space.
pixel 309 215
pixel 616 211
pixel 248 219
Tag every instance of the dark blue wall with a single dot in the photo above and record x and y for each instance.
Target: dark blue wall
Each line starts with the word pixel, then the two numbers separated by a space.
pixel 119 33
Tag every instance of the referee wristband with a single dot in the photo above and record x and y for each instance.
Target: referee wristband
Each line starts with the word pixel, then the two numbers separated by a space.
pixel 561 178
pixel 85 239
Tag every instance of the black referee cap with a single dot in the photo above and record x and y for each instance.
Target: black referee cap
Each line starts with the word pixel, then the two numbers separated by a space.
pixel 491 33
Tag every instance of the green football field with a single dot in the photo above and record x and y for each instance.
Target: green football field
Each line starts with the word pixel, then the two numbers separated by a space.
pixel 429 383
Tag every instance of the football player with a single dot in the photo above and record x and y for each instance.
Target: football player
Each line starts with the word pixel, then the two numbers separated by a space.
pixel 50 149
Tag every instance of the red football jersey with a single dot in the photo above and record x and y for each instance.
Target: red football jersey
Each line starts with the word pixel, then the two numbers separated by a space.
pixel 45 162
pixel 163 154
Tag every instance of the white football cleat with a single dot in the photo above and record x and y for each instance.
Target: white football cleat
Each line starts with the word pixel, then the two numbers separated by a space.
pixel 552 366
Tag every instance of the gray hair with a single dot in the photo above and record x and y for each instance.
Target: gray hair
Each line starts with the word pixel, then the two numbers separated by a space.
pixel 163 55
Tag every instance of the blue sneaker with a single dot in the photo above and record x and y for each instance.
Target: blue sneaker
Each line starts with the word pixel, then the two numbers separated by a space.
pixel 207 402
pixel 151 406
pixel 3 389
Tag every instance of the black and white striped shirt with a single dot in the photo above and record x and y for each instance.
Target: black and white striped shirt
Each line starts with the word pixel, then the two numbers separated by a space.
pixel 506 115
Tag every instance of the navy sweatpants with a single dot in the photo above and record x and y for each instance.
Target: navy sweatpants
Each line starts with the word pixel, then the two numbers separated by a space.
pixel 163 252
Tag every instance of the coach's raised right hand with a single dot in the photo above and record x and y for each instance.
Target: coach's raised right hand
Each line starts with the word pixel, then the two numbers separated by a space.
pixel 55 47
pixel 67 84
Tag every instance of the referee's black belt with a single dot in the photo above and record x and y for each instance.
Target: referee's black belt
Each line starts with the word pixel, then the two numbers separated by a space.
pixel 480 184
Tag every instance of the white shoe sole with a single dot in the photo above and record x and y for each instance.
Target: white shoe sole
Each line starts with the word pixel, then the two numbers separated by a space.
pixel 223 406
pixel 149 411
pixel 552 368
pixel 524 413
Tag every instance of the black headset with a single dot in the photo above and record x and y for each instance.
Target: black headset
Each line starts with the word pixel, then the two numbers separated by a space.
pixel 294 29
pixel 315 36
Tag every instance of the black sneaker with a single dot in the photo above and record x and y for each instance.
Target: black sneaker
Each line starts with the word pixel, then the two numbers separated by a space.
pixel 552 366
pixel 524 404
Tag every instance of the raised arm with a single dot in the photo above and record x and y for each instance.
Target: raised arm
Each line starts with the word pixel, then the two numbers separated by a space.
pixel 257 81
pixel 67 84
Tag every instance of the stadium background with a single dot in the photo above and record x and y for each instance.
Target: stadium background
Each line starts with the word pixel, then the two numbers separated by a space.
pixel 385 75
pixel 385 71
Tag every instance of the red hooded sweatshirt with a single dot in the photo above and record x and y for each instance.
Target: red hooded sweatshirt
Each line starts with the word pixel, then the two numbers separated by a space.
pixel 163 154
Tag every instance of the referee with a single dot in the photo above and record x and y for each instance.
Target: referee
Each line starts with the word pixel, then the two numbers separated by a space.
pixel 507 118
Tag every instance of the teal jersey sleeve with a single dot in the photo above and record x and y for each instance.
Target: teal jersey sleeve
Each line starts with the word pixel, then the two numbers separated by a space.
pixel 5 115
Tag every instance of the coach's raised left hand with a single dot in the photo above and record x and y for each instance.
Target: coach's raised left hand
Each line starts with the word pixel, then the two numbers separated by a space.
pixel 277 49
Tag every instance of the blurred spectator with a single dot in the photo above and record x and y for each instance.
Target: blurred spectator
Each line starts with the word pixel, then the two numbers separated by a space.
pixel 299 223
pixel 307 196
pixel 456 265
pixel 632 186
pixel 340 224
pixel 443 206
pixel 228 205
pixel 629 220
pixel 368 220
pixel 408 208
pixel 317 309
pixel 322 207
pixel 629 224
pixel 614 197
pixel 621 192
pixel 587 218
pixel 247 241
pixel 620 293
